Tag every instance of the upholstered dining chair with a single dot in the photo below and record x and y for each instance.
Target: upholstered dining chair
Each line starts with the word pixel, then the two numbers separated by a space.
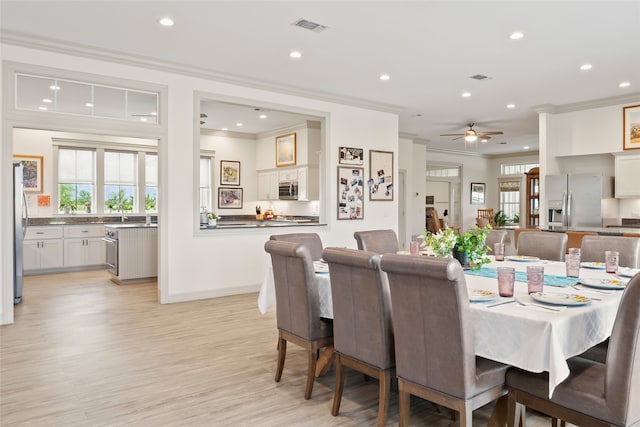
pixel 434 337
pixel 311 240
pixel 378 241
pixel 495 236
pixel 574 238
pixel 594 247
pixel 549 246
pixel 518 231
pixel 363 332
pixel 297 308
pixel 594 394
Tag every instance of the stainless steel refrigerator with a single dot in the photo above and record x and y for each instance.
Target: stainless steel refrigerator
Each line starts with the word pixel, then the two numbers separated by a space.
pixel 577 200
pixel 20 222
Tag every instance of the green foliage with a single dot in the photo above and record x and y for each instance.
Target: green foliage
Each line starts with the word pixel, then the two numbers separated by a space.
pixel 473 244
pixel 516 219
pixel 150 202
pixel 212 215
pixel 500 218
pixel 66 196
pixel 119 202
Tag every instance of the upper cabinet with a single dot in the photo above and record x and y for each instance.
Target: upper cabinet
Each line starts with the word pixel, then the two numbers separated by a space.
pixel 627 175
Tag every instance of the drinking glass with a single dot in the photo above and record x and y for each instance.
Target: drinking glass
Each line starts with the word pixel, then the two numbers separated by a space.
pixel 572 263
pixel 498 251
pixel 506 278
pixel 414 247
pixel 535 278
pixel 574 251
pixel 611 261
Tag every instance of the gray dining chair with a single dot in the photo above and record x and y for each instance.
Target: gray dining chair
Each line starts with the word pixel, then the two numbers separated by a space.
pixel 594 394
pixel 297 308
pixel 546 245
pixel 363 332
pixel 594 247
pixel 495 236
pixel 378 241
pixel 311 240
pixel 434 338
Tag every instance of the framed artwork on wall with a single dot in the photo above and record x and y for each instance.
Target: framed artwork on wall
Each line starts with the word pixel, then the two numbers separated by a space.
pixel 631 127
pixel 477 193
pixel 380 175
pixel 32 172
pixel 229 172
pixel 229 198
pixel 351 156
pixel 286 150
pixel 350 193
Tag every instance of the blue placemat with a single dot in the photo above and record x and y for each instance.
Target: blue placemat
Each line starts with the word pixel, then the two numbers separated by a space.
pixel 521 276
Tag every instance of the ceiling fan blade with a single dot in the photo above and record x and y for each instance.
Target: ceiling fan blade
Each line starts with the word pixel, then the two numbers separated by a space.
pixel 455 139
pixel 453 134
pixel 490 133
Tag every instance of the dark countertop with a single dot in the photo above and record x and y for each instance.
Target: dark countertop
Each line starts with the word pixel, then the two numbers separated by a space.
pixel 131 225
pixel 82 219
pixel 604 231
pixel 226 223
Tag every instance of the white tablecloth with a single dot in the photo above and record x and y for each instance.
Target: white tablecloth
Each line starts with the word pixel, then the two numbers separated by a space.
pixel 530 338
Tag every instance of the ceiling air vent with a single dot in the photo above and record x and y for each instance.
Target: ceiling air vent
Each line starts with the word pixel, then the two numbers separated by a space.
pixel 308 25
pixel 479 77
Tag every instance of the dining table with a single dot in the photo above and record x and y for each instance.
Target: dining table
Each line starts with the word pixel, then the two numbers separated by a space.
pixel 520 331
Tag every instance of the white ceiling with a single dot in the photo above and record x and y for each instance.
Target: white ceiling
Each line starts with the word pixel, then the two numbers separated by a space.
pixel 429 48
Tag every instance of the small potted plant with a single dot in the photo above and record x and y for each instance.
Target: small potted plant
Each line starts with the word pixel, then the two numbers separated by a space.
pixel 442 242
pixel 213 219
pixel 470 248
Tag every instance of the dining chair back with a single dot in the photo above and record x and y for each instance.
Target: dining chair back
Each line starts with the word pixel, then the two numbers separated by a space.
pixel 434 338
pixel 495 236
pixel 593 394
pixel 363 332
pixel 549 246
pixel 378 241
pixel 594 247
pixel 311 240
pixel 488 215
pixel 518 231
pixel 574 238
pixel 297 306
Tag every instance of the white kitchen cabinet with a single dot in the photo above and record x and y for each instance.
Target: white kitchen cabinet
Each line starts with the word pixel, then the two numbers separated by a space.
pixel 42 249
pixel 308 183
pixel 268 185
pixel 627 176
pixel 83 245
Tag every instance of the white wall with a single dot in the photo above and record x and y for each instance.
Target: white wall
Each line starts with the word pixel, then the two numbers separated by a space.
pixel 412 159
pixel 196 264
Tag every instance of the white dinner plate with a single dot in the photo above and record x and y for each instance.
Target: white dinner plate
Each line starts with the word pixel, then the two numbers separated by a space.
pixel 560 299
pixel 320 267
pixel 627 272
pixel 604 283
pixel 593 265
pixel 523 258
pixel 481 295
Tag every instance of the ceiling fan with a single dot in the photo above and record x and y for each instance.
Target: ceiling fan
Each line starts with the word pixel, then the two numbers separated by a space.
pixel 471 135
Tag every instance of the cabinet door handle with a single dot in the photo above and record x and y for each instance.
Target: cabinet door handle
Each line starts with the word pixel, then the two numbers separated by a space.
pixel 85 231
pixel 39 232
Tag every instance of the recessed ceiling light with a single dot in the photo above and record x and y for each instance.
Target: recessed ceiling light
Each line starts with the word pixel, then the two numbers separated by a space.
pixel 166 22
pixel 263 116
pixel 88 104
pixel 295 54
pixel 511 105
pixel 526 147
pixel 153 113
pixel 143 119
pixel 585 67
pixel 624 84
pixel 484 140
pixel 384 77
pixel 466 94
pixel 224 129
pixel 54 87
pixel 43 107
pixel 516 35
pixel 239 124
pixel 47 101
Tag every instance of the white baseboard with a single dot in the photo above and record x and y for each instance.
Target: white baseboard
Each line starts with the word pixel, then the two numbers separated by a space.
pixel 216 293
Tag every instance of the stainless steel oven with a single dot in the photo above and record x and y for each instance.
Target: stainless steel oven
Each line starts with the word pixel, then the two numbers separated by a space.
pixel 111 250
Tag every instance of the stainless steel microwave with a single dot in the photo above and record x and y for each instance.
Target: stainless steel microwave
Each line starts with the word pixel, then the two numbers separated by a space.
pixel 288 190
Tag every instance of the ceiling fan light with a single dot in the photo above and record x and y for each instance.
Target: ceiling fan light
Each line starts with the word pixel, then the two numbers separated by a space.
pixel 471 138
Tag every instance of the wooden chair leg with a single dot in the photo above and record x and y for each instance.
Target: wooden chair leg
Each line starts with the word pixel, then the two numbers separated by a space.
pixel 513 414
pixel 466 415
pixel 337 395
pixel 385 392
pixel 282 353
pixel 404 402
pixel 311 373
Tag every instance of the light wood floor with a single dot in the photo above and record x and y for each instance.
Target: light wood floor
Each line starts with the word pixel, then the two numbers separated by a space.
pixel 84 351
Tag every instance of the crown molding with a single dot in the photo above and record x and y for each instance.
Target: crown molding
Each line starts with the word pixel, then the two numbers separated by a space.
pixel 629 98
pixel 17 38
pixel 457 152
pixel 228 134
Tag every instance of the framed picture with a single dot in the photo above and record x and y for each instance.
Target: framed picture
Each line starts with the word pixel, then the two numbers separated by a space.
pixel 229 172
pixel 351 156
pixel 32 171
pixel 286 150
pixel 350 193
pixel 380 175
pixel 477 193
pixel 631 127
pixel 229 198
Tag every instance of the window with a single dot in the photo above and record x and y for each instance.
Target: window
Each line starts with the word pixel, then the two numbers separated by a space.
pixel 76 180
pixel 517 168
pixel 151 182
pixel 120 181
pixel 442 171
pixel 510 200
pixel 205 184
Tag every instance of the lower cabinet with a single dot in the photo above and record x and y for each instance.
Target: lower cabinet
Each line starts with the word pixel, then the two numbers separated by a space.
pixel 42 254
pixel 84 252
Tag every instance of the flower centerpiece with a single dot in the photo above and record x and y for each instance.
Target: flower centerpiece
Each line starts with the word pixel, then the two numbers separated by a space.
pixel 442 242
pixel 470 247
